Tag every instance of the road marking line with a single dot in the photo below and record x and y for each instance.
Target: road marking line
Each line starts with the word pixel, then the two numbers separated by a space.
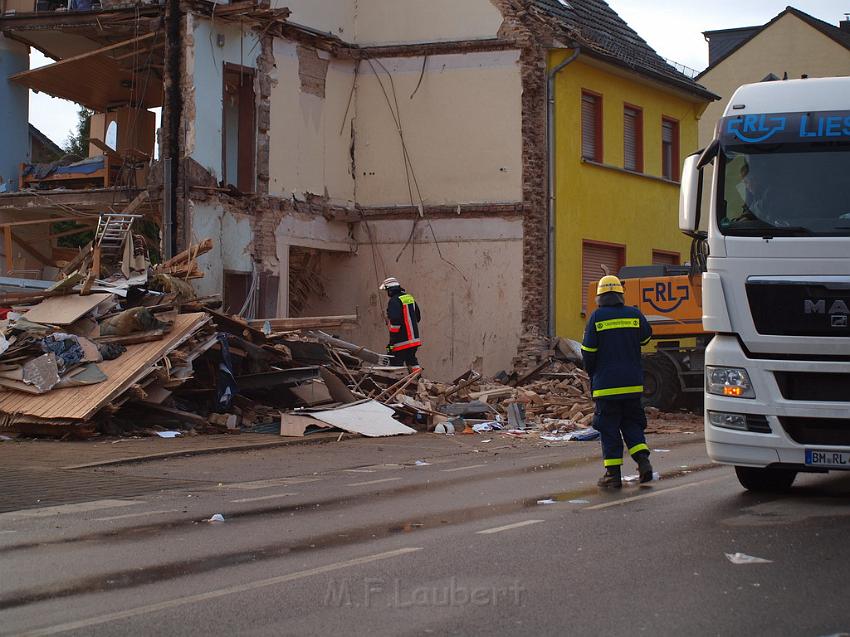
pixel 652 494
pixel 264 484
pixel 222 592
pixel 360 470
pixel 79 507
pixel 134 515
pixel 472 466
pixel 264 497
pixel 363 484
pixel 508 527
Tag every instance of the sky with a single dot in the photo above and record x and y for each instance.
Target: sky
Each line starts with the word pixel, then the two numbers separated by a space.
pixel 672 27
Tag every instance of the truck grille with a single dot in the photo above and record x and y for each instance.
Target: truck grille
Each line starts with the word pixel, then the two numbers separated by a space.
pixel 809 386
pixel 817 431
pixel 786 308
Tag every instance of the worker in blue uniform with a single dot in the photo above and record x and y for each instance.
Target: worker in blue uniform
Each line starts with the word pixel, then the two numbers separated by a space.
pixel 611 351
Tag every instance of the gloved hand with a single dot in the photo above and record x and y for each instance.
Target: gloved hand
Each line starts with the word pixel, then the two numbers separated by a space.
pixel 389 349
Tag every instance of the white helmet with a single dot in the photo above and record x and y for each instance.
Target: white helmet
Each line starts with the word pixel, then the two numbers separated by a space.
pixel 390 282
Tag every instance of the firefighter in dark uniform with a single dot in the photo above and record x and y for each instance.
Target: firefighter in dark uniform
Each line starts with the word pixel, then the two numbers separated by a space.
pixel 403 318
pixel 611 351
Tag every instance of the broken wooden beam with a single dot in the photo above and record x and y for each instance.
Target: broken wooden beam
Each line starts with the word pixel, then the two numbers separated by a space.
pixel 305 323
pixel 355 350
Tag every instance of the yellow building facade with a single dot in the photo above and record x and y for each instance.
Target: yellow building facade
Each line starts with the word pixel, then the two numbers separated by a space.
pixel 600 207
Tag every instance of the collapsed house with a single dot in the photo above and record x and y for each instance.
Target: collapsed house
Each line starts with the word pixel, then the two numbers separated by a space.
pixel 323 145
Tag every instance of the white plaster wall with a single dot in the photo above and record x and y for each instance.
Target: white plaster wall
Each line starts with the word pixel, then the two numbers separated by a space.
pixel 408 21
pixel 205 63
pixel 462 129
pixel 471 310
pixel 330 16
pixel 310 136
pixel 232 237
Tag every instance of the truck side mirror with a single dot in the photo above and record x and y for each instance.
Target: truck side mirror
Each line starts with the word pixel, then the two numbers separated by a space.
pixel 690 195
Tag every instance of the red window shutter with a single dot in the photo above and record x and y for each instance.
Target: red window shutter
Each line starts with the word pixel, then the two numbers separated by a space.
pixel 661 257
pixel 594 256
pixel 670 149
pixel 590 127
pixel 632 143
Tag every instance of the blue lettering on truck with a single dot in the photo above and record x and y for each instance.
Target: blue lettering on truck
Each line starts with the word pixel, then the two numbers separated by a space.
pixel 786 128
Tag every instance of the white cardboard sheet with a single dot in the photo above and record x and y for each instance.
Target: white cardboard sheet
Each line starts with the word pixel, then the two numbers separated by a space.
pixel 369 418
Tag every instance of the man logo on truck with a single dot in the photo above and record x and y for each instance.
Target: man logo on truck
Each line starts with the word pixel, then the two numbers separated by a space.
pixel 838 311
pixel 661 295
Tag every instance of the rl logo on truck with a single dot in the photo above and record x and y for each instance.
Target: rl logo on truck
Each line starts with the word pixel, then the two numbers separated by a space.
pixel 753 129
pixel 665 298
pixel 838 311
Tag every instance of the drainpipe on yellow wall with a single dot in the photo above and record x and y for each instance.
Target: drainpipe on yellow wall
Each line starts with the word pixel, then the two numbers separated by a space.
pixel 550 182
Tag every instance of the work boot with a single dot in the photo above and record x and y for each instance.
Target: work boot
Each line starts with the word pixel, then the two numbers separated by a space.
pixel 644 467
pixel 612 479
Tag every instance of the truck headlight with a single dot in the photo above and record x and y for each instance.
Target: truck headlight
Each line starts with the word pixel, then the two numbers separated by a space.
pixel 728 381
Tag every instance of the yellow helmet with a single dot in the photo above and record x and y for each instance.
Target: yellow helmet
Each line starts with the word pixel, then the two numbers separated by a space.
pixel 609 283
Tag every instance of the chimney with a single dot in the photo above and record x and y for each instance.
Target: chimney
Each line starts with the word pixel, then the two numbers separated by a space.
pixel 844 25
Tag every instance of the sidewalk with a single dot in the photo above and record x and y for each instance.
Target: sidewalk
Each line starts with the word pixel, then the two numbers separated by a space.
pixel 54 454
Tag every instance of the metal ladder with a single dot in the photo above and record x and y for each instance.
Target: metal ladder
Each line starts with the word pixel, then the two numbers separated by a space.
pixel 112 231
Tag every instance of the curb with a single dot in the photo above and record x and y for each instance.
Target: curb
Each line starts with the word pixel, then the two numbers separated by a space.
pixel 314 439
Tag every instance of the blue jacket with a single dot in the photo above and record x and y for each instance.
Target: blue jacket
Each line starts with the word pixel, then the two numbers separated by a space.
pixel 611 350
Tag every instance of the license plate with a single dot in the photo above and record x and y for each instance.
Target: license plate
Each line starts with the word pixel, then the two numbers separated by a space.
pixel 819 458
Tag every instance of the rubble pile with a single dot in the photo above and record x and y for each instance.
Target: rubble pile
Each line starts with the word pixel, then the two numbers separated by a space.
pixel 120 347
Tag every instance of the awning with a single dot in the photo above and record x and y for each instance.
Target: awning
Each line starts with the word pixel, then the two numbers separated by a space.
pixel 97 79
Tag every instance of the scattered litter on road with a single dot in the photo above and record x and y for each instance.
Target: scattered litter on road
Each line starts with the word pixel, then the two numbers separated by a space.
pixel 660 451
pixel 422 463
pixel 579 501
pixel 168 434
pixel 488 440
pixel 218 517
pixel 742 558
pixel 546 501
pixel 635 477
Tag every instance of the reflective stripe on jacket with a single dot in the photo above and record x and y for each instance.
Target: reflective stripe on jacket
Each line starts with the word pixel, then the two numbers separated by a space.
pixel 403 318
pixel 611 350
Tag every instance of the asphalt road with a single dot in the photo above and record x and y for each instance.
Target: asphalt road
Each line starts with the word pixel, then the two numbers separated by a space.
pixel 360 539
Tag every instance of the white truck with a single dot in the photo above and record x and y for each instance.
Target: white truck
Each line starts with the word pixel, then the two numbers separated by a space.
pixel 776 286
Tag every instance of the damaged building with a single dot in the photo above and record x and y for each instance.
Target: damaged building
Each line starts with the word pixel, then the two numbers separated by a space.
pixel 323 145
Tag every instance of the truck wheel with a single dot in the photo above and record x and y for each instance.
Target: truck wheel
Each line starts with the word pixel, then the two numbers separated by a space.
pixel 661 385
pixel 767 479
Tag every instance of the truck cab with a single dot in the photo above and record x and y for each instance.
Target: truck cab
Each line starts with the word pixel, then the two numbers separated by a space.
pixel 776 291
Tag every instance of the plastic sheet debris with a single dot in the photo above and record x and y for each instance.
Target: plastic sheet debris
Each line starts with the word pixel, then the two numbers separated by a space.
pixel 168 434
pixel 743 558
pixel 446 428
pixel 421 463
pixel 486 426
pixel 546 501
pixel 488 440
pixel 578 501
pixel 218 517
pixel 635 477
pixel 580 434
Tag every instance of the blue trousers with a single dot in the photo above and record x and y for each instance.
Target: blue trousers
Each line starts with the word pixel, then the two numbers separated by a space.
pixel 618 420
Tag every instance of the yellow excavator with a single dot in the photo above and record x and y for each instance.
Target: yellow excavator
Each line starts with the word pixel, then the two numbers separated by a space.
pixel 670 296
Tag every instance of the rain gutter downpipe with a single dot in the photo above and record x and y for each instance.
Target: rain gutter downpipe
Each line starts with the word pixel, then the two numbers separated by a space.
pixel 550 182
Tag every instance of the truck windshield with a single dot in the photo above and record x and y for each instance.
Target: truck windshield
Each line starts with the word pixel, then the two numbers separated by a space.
pixel 781 189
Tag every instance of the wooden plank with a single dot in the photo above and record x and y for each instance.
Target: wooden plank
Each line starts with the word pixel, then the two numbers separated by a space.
pixel 7 244
pixel 81 403
pixel 106 149
pixel 64 310
pixel 305 323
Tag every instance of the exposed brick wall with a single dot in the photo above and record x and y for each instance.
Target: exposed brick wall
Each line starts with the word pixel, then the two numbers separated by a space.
pixel 534 37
